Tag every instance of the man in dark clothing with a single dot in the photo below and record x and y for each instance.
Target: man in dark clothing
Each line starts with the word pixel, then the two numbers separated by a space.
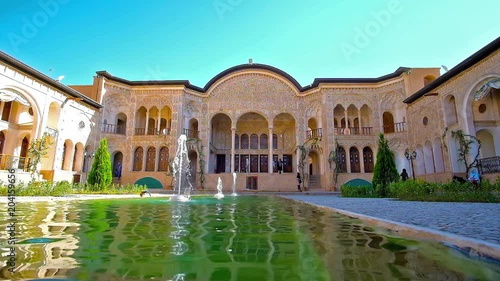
pixel 300 181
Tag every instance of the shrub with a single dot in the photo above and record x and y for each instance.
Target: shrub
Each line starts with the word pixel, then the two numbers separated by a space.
pixel 40 188
pixel 64 188
pixel 101 175
pixel 111 189
pixel 445 192
pixel 385 171
pixel 366 191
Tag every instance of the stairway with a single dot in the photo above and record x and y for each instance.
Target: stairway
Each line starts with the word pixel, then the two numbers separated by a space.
pixel 314 182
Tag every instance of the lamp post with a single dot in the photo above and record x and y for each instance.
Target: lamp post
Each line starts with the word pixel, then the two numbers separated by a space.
pixel 410 158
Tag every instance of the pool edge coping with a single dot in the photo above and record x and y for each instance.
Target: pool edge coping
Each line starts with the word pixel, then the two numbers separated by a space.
pixel 483 249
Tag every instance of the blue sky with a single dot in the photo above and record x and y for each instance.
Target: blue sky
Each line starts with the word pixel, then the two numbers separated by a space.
pixel 195 40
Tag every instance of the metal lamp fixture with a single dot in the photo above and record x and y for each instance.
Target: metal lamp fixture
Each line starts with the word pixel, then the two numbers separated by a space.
pixel 409 156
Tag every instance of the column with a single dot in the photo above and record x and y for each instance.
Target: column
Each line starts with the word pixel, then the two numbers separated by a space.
pixel 157 159
pixel 147 123
pixel 348 160
pixel 359 122
pixel 362 161
pixel 270 157
pixel 159 122
pixel 144 158
pixel 346 120
pixel 233 151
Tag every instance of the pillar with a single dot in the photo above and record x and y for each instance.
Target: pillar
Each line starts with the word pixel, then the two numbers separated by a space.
pixel 270 157
pixel 233 151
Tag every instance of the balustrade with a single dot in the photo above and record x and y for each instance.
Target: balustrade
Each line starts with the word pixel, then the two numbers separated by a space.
pixel 14 162
pixel 113 129
pixel 490 165
pixel 316 133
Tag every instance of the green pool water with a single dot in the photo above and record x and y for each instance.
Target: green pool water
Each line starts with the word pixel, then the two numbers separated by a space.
pixel 236 238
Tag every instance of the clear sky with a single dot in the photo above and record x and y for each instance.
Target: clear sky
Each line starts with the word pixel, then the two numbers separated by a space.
pixel 196 39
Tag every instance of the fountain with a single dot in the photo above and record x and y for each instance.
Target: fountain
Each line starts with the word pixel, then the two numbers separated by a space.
pixel 181 172
pixel 234 185
pixel 219 194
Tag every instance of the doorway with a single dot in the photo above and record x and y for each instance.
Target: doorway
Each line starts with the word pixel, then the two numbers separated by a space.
pixel 221 164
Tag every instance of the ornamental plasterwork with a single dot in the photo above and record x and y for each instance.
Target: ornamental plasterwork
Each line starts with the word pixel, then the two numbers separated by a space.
pixel 360 144
pixel 353 99
pixel 153 143
pixel 191 107
pixel 314 108
pixel 114 101
pixel 164 93
pixel 251 91
pixel 110 88
pixel 150 101
pixel 391 100
pixel 430 129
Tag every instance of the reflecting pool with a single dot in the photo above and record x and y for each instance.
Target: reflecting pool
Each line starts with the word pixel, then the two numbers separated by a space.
pixel 235 238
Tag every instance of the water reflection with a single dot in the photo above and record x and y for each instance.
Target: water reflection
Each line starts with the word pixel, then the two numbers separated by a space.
pixel 236 238
pixel 180 222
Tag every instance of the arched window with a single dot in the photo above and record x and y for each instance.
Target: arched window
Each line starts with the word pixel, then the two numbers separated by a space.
pixel 163 164
pixel 264 143
pixel 244 141
pixel 23 161
pixel 388 121
pixel 368 159
pixel 428 79
pixel 450 110
pixel 275 141
pixel 138 158
pixel 354 160
pixel 150 159
pixel 236 142
pixel 341 160
pixel 254 141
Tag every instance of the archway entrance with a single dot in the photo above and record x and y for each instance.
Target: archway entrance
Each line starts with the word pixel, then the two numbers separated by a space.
pixel 314 170
pixel 117 164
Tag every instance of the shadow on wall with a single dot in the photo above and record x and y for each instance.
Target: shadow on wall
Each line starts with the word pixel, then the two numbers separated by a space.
pixel 149 182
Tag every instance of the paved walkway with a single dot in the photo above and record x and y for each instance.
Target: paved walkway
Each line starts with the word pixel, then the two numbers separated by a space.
pixel 478 221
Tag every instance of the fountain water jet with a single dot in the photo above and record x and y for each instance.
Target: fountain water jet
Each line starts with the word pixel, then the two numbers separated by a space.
pixel 219 194
pixel 181 172
pixel 234 185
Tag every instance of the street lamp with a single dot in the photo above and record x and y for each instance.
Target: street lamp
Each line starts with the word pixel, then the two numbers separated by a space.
pixel 410 158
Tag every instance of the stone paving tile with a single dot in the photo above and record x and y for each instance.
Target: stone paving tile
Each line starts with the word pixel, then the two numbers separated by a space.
pixel 473 220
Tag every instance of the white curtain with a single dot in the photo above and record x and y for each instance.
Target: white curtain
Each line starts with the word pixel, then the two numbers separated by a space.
pixel 7 95
pixel 486 88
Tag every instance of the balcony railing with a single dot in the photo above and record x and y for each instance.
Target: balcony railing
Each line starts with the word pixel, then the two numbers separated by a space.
pixel 192 134
pixel 316 133
pixel 14 162
pixel 395 128
pixel 490 165
pixel 151 132
pixel 114 129
pixel 353 131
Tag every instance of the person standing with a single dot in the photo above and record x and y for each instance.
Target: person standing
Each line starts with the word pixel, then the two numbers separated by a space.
pixel 118 170
pixel 299 180
pixel 280 166
pixel 404 175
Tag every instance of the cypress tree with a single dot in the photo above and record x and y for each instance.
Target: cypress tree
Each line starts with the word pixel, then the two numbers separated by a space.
pixel 385 171
pixel 101 175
